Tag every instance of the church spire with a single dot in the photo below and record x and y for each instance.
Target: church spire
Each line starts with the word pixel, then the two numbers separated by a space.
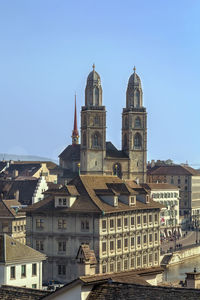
pixel 75 134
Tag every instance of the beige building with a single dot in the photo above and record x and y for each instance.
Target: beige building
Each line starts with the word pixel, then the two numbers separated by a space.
pixel 94 155
pixel 167 195
pixel 120 224
pixel 186 179
pixel 12 221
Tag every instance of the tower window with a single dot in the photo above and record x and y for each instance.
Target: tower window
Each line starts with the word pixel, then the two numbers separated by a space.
pixel 96 140
pixel 96 93
pixel 96 120
pixel 137 99
pixel 138 122
pixel 84 139
pixel 125 140
pixel 126 122
pixel 137 141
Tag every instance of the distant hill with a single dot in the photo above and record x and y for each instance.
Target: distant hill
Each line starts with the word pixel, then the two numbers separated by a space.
pixel 15 157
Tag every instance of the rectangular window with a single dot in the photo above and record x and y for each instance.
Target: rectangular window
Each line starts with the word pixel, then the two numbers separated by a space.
pixel 118 266
pixel 125 264
pixel 34 269
pixel 62 224
pixel 85 225
pixel 104 224
pixel 132 221
pixel 132 262
pixel 150 258
pixel 111 267
pixel 111 223
pixel 39 245
pixel 64 201
pixel 39 223
pixel 12 272
pixel 126 243
pixel 150 238
pixel 144 219
pixel 111 245
pixel 104 247
pixel 138 261
pixel 23 271
pixel 132 241
pixel 138 241
pixel 125 222
pixel 156 237
pixel 144 239
pixel 144 260
pixel 150 218
pixel 119 244
pixel 138 220
pixel 156 218
pixel 104 269
pixel 61 270
pixel 156 257
pixel 34 286
pixel 62 246
pixel 119 223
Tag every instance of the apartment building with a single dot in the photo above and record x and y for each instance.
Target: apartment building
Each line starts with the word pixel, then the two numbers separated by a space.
pixel 120 224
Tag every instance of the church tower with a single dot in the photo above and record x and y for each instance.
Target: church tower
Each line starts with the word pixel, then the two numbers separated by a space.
pixel 134 129
pixel 93 127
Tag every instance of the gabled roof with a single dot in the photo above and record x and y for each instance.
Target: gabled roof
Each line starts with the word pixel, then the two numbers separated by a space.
pixel 9 292
pixel 12 251
pixel 85 253
pixel 173 170
pixel 113 152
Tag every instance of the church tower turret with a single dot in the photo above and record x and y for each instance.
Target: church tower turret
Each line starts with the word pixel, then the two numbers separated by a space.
pixel 93 127
pixel 134 129
pixel 75 134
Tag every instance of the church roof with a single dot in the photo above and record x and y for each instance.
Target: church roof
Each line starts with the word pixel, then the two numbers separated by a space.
pixel 71 152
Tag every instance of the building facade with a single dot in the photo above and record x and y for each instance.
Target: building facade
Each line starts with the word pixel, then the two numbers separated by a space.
pixel 94 155
pixel 187 180
pixel 121 225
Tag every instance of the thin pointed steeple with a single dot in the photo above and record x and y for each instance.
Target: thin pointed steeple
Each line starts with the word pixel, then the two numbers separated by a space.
pixel 75 134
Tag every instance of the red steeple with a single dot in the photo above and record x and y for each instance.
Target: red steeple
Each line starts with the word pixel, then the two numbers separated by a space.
pixel 75 134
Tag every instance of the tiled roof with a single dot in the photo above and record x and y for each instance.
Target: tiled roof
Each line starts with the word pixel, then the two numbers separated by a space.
pixel 26 189
pixel 87 254
pixel 88 201
pixel 159 186
pixel 173 170
pixel 12 251
pixel 24 169
pixel 113 152
pixel 123 291
pixel 8 292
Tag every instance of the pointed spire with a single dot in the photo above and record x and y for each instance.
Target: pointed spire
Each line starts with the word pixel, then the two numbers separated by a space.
pixel 75 134
pixel 134 69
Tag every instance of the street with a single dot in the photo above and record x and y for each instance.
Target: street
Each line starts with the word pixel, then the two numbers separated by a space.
pixel 185 240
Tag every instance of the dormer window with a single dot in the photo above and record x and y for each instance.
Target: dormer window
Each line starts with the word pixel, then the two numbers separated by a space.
pixel 147 198
pixel 115 201
pixel 132 200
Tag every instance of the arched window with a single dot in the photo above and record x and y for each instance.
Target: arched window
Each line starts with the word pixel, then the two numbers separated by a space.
pixel 84 139
pixel 96 95
pixel 126 122
pixel 84 120
pixel 117 170
pixel 96 120
pixel 125 140
pixel 137 99
pixel 138 122
pixel 137 141
pixel 96 140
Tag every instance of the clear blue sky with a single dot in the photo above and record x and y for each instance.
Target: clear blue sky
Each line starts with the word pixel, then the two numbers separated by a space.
pixel 47 49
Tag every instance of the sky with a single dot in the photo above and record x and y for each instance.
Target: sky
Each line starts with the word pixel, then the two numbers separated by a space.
pixel 47 49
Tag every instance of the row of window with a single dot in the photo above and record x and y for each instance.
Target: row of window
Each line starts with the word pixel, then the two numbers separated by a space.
pixel 164 195
pixel 131 263
pixel 136 124
pixel 169 203
pixel 62 224
pixel 126 221
pixel 23 271
pixel 130 242
pixel 19 228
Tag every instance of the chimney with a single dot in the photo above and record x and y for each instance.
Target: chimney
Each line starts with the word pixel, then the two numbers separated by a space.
pixel 193 280
pixel 15 173
pixel 16 194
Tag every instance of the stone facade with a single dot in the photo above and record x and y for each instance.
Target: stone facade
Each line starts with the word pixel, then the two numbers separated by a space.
pixel 96 156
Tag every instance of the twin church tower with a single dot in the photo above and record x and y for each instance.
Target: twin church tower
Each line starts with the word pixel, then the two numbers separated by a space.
pixel 96 156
